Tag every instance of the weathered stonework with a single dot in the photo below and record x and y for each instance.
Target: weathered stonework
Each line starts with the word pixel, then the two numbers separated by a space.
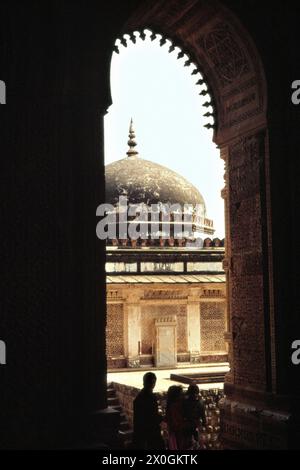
pixel 212 326
pixel 224 53
pixel 115 331
pixel 200 313
pixel 247 285
pixel 247 426
pixel 51 272
pixel 209 436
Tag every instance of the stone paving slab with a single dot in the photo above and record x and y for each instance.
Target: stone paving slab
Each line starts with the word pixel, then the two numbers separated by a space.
pixel 135 378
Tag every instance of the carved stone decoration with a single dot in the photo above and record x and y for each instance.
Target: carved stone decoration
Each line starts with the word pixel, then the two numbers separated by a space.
pixel 212 326
pixel 221 50
pixel 245 205
pixel 245 161
pixel 228 58
pixel 133 363
pixel 195 358
pixel 115 331
pixel 112 295
pixel 212 293
pixel 164 294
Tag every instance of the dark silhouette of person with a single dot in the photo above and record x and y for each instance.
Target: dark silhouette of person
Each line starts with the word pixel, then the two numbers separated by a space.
pixel 175 418
pixel 146 418
pixel 194 413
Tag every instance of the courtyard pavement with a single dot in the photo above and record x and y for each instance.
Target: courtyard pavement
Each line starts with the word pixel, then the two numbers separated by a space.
pixel 134 378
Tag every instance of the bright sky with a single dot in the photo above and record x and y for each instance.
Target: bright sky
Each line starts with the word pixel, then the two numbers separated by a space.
pixel 154 88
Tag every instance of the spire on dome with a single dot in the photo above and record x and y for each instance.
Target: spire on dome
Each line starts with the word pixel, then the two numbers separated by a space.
pixel 131 142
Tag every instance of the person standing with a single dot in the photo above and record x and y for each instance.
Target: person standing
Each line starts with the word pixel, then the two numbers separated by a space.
pixel 175 418
pixel 146 419
pixel 194 413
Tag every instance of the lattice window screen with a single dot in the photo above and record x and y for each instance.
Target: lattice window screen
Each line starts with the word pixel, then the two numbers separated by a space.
pixel 115 330
pixel 212 326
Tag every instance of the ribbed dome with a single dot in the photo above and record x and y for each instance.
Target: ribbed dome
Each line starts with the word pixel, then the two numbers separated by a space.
pixel 143 181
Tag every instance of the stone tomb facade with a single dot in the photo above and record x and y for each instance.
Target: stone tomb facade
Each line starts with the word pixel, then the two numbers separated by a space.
pixel 189 307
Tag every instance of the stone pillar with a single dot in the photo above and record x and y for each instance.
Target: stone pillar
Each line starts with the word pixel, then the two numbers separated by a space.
pixel 53 392
pixel 226 261
pixel 193 327
pixel 253 415
pixel 53 389
pixel 133 330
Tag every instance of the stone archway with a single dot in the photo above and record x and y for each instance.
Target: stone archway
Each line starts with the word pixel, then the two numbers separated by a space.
pixel 225 55
pixel 55 278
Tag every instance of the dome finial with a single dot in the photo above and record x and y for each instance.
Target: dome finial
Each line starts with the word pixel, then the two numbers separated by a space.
pixel 131 142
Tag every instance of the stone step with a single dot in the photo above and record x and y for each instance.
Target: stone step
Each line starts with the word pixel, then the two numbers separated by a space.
pixel 126 435
pixel 117 407
pixel 124 426
pixel 111 393
pixel 199 378
pixel 112 401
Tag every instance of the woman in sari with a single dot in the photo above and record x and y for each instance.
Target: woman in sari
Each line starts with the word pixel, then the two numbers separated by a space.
pixel 175 418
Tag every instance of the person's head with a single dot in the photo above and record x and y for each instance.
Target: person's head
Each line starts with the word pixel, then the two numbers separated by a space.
pixel 149 380
pixel 193 391
pixel 174 394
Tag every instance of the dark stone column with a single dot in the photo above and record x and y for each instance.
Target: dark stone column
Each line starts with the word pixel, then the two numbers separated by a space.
pixel 56 67
pixel 53 314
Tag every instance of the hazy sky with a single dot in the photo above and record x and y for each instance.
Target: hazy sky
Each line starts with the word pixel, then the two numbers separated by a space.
pixel 154 88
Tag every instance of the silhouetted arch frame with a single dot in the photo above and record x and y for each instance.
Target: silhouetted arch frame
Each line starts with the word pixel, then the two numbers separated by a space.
pixel 224 53
pixel 190 61
pixel 221 50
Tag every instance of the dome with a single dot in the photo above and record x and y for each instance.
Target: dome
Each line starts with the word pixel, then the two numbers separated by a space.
pixel 143 181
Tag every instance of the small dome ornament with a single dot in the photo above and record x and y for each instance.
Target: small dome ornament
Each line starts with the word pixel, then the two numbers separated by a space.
pixel 132 153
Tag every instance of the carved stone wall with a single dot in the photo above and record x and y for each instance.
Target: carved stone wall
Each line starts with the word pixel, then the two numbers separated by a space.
pixel 115 330
pixel 150 313
pixel 212 326
pixel 247 284
pixel 157 301
pixel 222 51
